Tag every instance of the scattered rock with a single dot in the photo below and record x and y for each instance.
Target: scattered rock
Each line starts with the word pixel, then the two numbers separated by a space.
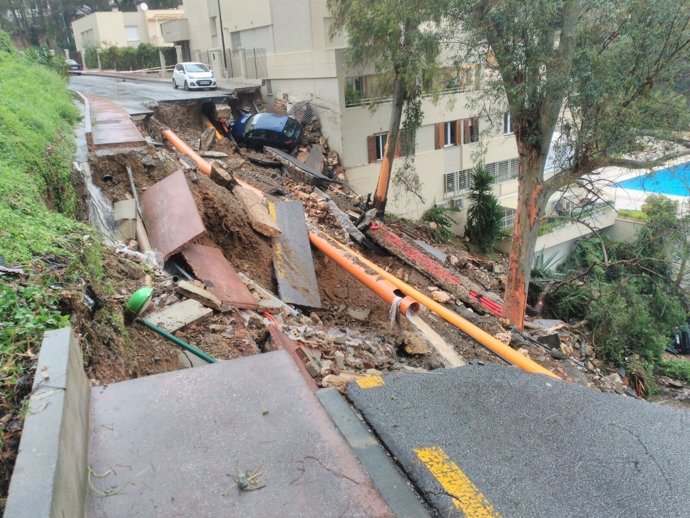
pixel 413 344
pixel 339 358
pixel 523 351
pixel 326 367
pixel 341 292
pixel 361 314
pixel 614 378
pixel 338 381
pixel 440 296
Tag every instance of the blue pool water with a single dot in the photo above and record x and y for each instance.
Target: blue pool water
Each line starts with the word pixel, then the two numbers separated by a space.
pixel 673 180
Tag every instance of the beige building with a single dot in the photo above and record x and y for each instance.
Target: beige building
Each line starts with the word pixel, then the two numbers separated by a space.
pixel 122 29
pixel 299 60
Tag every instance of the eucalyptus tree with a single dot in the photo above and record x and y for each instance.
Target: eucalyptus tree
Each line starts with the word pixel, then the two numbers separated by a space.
pixel 399 40
pixel 602 75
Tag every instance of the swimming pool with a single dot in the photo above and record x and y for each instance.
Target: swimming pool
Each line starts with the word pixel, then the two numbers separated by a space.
pixel 672 180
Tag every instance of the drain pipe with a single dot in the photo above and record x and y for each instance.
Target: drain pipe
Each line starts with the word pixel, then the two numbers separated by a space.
pixel 203 164
pixel 182 147
pixel 379 286
pixel 507 353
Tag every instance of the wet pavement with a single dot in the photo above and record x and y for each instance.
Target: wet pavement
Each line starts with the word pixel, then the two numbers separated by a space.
pixel 488 441
pixel 139 97
pixel 245 437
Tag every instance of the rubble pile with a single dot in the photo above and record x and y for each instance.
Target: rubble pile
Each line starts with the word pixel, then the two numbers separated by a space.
pixel 345 330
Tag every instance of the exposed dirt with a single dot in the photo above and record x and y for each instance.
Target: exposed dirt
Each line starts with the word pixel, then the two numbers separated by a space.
pixel 348 306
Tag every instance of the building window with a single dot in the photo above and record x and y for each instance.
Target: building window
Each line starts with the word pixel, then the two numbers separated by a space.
pixel 505 170
pixel 376 146
pixel 132 33
pixel 508 218
pixel 447 134
pixel 507 124
pixel 354 90
pixel 451 135
pixel 236 40
pixel 470 130
pixel 457 182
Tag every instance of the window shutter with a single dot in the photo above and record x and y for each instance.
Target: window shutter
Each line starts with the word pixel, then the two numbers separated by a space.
pixel 458 128
pixel 371 148
pixel 440 135
pixel 466 131
pixel 475 129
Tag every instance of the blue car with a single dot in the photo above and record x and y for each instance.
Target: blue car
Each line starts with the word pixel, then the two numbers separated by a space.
pixel 267 129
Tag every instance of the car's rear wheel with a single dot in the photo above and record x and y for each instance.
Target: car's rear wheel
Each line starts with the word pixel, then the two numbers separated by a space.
pixel 186 86
pixel 174 84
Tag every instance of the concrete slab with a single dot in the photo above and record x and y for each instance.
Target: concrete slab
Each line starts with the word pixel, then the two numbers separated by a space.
pixel 212 268
pixel 170 214
pixel 292 259
pixel 508 443
pixel 178 315
pixel 182 459
pixel 111 126
pixel 296 169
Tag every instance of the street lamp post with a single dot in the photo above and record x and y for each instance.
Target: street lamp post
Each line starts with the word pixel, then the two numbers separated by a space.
pixel 222 41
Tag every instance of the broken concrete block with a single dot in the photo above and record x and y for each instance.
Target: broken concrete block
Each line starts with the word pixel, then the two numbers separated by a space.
pixel 200 294
pixel 179 315
pixel 258 215
pixel 125 215
pixel 361 314
pixel 187 360
pixel 414 344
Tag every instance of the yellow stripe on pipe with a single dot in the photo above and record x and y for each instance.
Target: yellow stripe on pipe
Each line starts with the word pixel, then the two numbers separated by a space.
pixel 466 497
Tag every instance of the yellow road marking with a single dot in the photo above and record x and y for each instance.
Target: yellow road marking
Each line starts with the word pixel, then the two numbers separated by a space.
pixel 466 497
pixel 367 382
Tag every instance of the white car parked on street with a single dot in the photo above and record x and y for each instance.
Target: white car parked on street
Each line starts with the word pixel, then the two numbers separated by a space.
pixel 193 75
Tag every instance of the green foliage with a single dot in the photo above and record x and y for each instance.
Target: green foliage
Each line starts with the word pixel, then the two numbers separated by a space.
pixel 47 58
pixel 677 369
pixel 484 215
pixel 444 223
pixel 129 58
pixel 637 215
pixel 627 295
pixel 37 205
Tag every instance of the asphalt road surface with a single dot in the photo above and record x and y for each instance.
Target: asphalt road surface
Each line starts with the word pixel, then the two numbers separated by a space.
pixel 138 97
pixel 493 441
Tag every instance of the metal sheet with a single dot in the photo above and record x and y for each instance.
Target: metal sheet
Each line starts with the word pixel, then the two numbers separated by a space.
pixel 175 442
pixel 170 215
pixel 212 268
pixel 292 260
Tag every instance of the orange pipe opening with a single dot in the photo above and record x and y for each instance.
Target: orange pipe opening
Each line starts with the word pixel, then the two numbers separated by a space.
pixel 379 286
pixel 507 353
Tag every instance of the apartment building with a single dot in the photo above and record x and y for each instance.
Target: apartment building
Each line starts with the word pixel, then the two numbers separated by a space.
pixel 123 29
pixel 299 60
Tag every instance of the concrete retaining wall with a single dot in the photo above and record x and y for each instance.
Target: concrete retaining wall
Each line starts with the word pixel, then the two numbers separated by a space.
pixel 49 478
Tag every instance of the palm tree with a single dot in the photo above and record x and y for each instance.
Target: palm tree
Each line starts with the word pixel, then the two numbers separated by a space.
pixel 484 215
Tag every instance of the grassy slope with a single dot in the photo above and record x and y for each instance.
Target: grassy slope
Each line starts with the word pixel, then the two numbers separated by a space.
pixel 37 229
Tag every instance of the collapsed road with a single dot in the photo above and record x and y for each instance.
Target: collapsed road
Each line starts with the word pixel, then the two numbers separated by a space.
pixel 265 432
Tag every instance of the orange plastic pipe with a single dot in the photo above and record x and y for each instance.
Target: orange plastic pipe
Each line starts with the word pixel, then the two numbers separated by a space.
pixel 379 286
pixel 182 147
pixel 481 336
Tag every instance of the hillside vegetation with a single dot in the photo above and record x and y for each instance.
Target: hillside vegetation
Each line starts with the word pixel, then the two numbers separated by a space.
pixel 38 232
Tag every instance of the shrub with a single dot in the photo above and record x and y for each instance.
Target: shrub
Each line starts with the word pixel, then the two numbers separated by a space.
pixel 129 58
pixel 484 215
pixel 444 223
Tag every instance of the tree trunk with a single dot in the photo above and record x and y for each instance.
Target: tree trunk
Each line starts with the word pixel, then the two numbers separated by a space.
pixel 381 194
pixel 530 209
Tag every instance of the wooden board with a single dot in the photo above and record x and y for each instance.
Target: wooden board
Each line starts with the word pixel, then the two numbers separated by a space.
pixel 292 260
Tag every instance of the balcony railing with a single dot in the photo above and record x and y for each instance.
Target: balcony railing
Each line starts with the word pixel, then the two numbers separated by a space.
pixel 369 101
